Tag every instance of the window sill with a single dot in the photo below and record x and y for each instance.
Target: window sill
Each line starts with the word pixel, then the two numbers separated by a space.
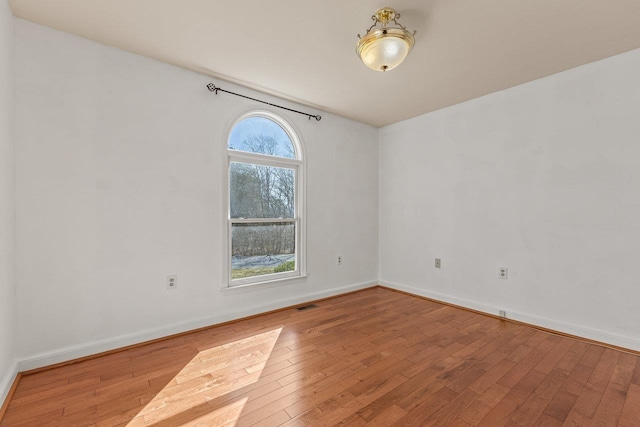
pixel 229 290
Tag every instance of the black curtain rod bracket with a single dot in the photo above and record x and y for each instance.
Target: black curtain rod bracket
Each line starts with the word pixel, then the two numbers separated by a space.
pixel 215 89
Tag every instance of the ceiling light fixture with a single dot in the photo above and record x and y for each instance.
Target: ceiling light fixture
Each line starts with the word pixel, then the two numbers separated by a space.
pixel 386 43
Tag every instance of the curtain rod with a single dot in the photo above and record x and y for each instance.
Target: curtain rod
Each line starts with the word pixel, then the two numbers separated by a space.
pixel 215 89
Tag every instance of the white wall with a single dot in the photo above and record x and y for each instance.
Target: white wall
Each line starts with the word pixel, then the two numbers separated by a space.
pixel 119 167
pixel 7 205
pixel 542 178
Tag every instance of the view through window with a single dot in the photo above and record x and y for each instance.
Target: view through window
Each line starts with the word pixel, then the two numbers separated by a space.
pixel 264 220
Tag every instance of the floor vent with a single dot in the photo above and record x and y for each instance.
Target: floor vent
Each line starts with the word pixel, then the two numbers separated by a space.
pixel 306 307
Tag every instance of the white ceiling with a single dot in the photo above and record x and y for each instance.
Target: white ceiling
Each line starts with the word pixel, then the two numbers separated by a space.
pixel 305 50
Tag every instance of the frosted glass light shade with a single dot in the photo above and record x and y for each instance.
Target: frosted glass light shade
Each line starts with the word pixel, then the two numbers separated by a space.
pixel 385 48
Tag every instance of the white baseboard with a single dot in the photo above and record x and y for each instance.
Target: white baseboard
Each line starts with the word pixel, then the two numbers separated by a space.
pixel 74 352
pixel 7 381
pixel 631 343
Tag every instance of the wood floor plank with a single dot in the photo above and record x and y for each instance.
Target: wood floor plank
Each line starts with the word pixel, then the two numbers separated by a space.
pixel 553 357
pixel 320 409
pixel 576 419
pixel 603 371
pixel 446 415
pixel 375 357
pixel 350 408
pixel 547 421
pixel 475 412
pixel 631 411
pixel 342 380
pixel 276 419
pixel 560 406
pixel 503 411
pixel 389 416
pixel 636 374
pixel 610 407
pixel 532 408
pixel 427 406
pixel 526 364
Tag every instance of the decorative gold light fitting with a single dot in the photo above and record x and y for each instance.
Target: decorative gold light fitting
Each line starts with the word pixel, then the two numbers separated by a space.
pixel 386 43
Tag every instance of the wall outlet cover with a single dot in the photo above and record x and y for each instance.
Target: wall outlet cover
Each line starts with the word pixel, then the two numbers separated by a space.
pixel 172 281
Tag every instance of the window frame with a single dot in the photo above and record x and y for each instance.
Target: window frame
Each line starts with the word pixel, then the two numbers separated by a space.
pixel 297 165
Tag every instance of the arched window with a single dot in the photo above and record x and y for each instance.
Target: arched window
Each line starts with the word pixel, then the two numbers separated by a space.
pixel 265 162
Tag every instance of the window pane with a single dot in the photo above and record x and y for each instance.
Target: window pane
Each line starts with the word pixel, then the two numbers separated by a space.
pixel 262 248
pixel 261 135
pixel 261 191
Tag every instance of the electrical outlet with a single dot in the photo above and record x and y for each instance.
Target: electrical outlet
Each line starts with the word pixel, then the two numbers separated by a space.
pixel 502 314
pixel 339 259
pixel 503 272
pixel 438 263
pixel 172 281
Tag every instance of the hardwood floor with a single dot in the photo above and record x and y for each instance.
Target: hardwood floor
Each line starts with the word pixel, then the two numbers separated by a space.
pixel 375 357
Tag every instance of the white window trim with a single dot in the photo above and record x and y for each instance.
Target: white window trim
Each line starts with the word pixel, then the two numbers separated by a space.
pixel 297 164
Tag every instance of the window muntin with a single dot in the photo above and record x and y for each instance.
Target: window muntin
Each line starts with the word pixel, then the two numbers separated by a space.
pixel 264 217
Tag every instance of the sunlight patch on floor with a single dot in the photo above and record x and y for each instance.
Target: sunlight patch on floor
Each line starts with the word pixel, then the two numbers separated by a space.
pixel 213 386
